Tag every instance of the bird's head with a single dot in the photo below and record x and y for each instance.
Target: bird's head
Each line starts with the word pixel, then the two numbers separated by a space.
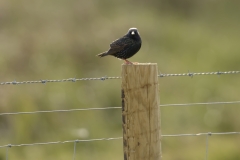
pixel 133 33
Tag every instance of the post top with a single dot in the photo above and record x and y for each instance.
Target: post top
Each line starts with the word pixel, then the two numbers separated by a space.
pixel 139 64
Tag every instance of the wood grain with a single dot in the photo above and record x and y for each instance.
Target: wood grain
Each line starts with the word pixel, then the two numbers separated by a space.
pixel 141 112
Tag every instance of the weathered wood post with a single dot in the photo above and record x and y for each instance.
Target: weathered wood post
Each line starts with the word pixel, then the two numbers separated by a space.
pixel 141 112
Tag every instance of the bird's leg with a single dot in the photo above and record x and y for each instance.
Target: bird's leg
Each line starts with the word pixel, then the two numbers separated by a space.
pixel 127 62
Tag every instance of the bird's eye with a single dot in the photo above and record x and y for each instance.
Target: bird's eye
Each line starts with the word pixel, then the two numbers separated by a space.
pixel 132 33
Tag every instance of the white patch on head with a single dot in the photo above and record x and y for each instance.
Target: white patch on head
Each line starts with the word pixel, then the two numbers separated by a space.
pixel 132 29
pixel 132 33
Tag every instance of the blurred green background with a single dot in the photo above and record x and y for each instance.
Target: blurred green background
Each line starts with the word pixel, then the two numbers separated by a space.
pixel 56 39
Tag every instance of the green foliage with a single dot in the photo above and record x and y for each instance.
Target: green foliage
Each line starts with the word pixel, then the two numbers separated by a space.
pixel 51 39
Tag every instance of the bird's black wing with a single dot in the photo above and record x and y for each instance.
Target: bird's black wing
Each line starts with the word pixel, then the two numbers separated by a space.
pixel 118 45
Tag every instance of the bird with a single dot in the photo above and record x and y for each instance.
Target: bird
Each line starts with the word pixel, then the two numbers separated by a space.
pixel 125 47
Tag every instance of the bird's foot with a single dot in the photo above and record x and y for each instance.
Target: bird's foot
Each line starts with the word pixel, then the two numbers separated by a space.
pixel 127 62
pixel 130 63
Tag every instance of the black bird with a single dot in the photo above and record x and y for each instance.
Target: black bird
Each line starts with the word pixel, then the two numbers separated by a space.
pixel 125 47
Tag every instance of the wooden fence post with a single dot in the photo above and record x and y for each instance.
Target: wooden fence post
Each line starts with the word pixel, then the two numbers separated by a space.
pixel 141 112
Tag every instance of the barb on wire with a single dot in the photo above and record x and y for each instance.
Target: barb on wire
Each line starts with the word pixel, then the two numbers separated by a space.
pixel 107 108
pixel 191 74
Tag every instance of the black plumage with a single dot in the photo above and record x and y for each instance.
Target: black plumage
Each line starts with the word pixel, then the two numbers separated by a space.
pixel 125 47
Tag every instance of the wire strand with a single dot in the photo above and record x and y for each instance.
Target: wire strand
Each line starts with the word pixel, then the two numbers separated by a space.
pixel 207 137
pixel 60 142
pixel 53 111
pixel 74 150
pixel 58 80
pixel 7 153
pixel 117 138
pixel 204 103
pixel 108 108
pixel 191 74
pixel 200 134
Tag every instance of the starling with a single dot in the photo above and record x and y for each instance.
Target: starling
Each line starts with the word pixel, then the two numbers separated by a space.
pixel 125 47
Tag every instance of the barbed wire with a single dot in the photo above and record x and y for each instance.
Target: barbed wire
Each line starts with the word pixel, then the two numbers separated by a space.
pixel 116 138
pixel 191 74
pixel 108 108
pixel 60 142
pixel 196 104
pixel 65 110
pixel 59 80
pixel 200 134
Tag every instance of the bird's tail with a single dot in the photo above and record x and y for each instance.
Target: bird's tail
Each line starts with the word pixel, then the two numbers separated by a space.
pixel 102 54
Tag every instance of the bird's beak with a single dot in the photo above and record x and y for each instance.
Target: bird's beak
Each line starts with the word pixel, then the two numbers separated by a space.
pixel 132 33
